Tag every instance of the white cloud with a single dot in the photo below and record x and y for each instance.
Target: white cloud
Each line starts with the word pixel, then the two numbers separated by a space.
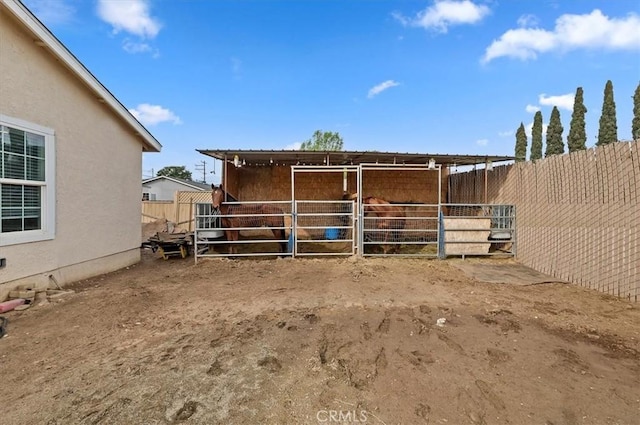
pixel 532 109
pixel 482 142
pixel 294 146
pixel 525 21
pixel 138 47
pixel 445 13
pixel 52 12
pixel 154 114
pixel 374 91
pixel 507 133
pixel 590 31
pixel 131 16
pixel 564 101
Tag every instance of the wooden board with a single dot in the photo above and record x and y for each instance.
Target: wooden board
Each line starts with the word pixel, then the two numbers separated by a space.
pixel 467 242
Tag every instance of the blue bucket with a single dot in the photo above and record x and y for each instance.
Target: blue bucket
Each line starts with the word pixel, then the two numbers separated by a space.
pixel 290 244
pixel 332 234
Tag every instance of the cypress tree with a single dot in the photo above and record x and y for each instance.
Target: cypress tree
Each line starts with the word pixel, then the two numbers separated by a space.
pixel 635 124
pixel 577 138
pixel 555 145
pixel 536 137
pixel 608 132
pixel 521 144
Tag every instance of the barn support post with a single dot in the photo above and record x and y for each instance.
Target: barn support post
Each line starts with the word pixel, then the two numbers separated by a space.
pixel 442 254
pixel 294 214
pixel 440 245
pixel 359 218
pixel 225 175
pixel 486 176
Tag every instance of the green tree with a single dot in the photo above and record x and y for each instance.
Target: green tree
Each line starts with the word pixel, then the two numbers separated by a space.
pixel 577 138
pixel 521 144
pixel 608 132
pixel 635 123
pixel 536 137
pixel 555 145
pixel 323 141
pixel 176 171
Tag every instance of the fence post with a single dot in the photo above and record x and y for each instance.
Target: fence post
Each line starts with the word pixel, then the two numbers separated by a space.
pixel 441 245
pixel 190 212
pixel 176 201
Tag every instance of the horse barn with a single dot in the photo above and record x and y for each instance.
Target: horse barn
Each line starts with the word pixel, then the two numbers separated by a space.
pixel 292 202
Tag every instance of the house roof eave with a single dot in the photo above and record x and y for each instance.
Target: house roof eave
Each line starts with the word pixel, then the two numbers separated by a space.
pixel 179 181
pixel 45 38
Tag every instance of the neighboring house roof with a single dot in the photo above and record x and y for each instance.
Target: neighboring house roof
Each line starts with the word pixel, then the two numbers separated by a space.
pixel 191 184
pixel 44 38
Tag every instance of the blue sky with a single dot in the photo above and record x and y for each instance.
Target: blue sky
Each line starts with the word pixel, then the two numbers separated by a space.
pixel 437 76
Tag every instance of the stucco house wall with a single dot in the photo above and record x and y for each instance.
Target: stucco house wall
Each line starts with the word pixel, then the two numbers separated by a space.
pixel 97 167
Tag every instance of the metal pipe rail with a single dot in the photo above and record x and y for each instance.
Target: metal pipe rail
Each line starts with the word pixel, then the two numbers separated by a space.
pixel 324 228
pixel 414 233
pixel 256 245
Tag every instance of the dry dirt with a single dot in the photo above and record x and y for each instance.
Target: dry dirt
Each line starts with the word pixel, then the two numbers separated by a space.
pixel 320 341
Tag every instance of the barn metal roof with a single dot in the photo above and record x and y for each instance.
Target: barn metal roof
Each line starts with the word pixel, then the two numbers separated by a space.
pixel 298 157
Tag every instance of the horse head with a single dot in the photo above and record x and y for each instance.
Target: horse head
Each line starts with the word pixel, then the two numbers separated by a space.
pixel 348 196
pixel 217 196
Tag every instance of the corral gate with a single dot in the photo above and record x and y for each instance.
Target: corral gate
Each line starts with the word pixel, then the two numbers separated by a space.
pixel 326 226
pixel 345 227
pixel 410 227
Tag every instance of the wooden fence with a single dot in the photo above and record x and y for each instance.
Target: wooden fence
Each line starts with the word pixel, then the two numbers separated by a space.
pixel 578 215
pixel 179 211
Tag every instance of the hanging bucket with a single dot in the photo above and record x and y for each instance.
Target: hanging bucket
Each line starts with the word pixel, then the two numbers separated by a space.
pixel 290 243
pixel 332 234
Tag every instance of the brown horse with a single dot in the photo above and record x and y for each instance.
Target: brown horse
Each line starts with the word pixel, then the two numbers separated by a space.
pixel 257 215
pixel 390 219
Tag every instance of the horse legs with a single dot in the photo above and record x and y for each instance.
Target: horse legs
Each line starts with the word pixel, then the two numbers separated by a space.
pixel 397 234
pixel 386 232
pixel 391 242
pixel 385 245
pixel 281 235
pixel 227 234
pixel 236 237
pixel 395 237
pixel 232 236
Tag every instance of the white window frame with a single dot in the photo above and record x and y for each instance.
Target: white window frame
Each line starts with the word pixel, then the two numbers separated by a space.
pixel 150 196
pixel 48 187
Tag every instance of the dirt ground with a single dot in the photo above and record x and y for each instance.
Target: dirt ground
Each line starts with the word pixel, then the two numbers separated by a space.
pixel 320 341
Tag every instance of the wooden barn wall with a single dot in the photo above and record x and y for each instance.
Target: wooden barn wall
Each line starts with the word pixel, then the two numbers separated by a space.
pixel 259 183
pixel 318 186
pixel 274 183
pixel 413 186
pixel 577 215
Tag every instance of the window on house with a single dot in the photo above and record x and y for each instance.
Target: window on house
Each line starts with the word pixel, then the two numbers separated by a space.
pixel 26 182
